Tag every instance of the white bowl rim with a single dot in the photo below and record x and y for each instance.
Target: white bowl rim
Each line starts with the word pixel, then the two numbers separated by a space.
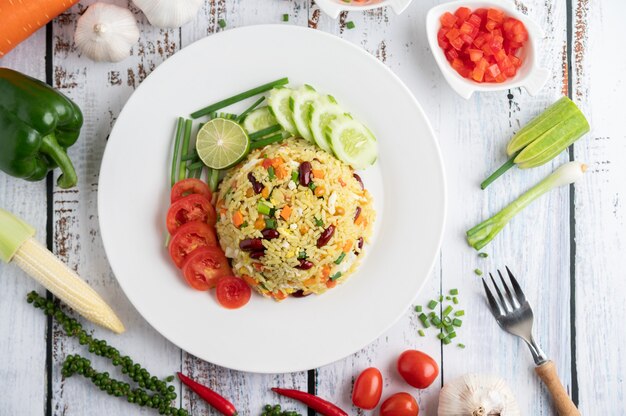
pixel 334 7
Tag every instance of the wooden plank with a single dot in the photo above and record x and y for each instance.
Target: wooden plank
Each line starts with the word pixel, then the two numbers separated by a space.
pixel 22 329
pixel 599 205
pixel 471 151
pixel 100 89
pixel 249 392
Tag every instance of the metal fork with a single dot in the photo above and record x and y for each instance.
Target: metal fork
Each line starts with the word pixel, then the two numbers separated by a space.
pixel 514 314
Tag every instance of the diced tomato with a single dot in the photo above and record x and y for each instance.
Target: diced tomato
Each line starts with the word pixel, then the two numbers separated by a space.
pixel 189 186
pixel 482 45
pixel 495 15
pixel 448 19
pixel 188 238
pixel 462 13
pixel 194 207
pixel 205 266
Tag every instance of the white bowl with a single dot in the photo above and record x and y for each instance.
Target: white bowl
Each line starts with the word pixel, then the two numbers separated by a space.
pixel 529 75
pixel 334 7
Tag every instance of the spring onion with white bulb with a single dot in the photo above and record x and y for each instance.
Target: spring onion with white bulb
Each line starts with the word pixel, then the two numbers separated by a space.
pixel 483 233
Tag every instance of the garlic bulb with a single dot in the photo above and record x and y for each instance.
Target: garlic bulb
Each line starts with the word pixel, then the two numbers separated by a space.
pixel 477 395
pixel 169 13
pixel 106 32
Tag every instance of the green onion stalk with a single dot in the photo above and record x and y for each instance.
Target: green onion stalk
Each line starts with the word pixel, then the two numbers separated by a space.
pixel 483 233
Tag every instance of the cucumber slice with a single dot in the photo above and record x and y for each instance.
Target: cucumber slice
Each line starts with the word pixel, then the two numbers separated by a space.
pixel 352 142
pixel 323 111
pixel 300 104
pixel 279 105
pixel 259 119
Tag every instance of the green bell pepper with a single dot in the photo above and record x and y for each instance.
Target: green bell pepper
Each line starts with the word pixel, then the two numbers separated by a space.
pixel 37 125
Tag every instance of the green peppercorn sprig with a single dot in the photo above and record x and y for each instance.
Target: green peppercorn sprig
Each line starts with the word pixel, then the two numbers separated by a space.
pixel 76 364
pixel 269 410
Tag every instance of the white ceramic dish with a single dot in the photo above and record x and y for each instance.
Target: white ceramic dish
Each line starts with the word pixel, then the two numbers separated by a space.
pixel 334 7
pixel 407 184
pixel 530 75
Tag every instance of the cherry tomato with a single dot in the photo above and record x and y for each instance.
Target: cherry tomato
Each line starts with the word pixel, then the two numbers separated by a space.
pixel 188 209
pixel 189 186
pixel 232 292
pixel 400 404
pixel 417 369
pixel 368 388
pixel 204 266
pixel 188 238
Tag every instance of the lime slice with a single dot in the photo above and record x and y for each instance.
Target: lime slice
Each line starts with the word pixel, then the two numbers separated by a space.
pixel 222 143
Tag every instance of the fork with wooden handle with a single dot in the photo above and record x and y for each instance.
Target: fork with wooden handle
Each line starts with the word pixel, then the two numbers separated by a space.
pixel 514 314
pixel 17 245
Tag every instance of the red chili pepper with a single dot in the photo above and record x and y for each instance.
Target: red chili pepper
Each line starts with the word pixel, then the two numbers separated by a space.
pixel 320 405
pixel 218 402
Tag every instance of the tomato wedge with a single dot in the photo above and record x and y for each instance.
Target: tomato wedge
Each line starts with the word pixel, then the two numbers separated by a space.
pixel 204 266
pixel 232 292
pixel 188 187
pixel 190 208
pixel 189 237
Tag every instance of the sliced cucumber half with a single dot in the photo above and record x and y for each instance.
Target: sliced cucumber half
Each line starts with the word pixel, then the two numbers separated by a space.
pixel 300 103
pixel 259 119
pixel 279 105
pixel 323 110
pixel 352 142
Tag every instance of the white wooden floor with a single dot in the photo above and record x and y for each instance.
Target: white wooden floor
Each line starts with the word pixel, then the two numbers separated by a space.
pixel 567 249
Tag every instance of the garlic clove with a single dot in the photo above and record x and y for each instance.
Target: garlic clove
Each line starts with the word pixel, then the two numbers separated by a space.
pixel 106 32
pixel 477 395
pixel 168 14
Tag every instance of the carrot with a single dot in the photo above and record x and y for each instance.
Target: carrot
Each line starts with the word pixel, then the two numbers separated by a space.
pixel 259 224
pixel 250 192
pixel 277 161
pixel 249 280
pixel 342 182
pixel 326 271
pixel 281 172
pixel 347 246
pixel 21 18
pixel 237 219
pixel 359 220
pixel 330 284
pixel 265 193
pixel 278 295
pixel 318 173
pixel 285 213
pixel 309 282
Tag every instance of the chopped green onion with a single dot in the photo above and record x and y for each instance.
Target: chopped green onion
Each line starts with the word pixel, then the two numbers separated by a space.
pixel 243 224
pixel 302 255
pixel 214 179
pixel 440 298
pixel 350 25
pixel 247 110
pixel 264 142
pixel 448 298
pixel 294 176
pixel 435 320
pixel 264 132
pixel 222 23
pixel 421 332
pixel 239 97
pixel 455 300
pixel 422 317
pixel 189 156
pixel 457 322
pixel 432 304
pixel 448 328
pixel 478 272
pixel 447 311
pixel 418 308
pixel 285 17
pixel 446 341
pixel 177 138
pixel 263 209
pixel 318 222
pixel 454 292
pixel 432 314
pixel 335 276
pixel 340 258
pixel 270 172
pixel 447 321
pixel 194 166
pixel 441 335
pixel 425 324
pixel 312 186
pixel 451 335
pixel 459 313
pixel 460 345
pixel 271 223
pixel 483 255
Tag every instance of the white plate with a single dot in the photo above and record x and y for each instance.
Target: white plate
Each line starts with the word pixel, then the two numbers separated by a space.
pixel 407 184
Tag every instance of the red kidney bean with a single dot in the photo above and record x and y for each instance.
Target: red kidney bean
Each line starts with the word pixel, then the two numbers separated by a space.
pixel 299 294
pixel 304 265
pixel 256 185
pixel 325 237
pixel 359 245
pixel 257 254
pixel 304 173
pixel 270 234
pixel 357 213
pixel 251 244
pixel 358 178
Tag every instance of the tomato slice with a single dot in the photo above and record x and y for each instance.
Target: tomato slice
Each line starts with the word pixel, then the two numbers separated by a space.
pixel 204 266
pixel 190 208
pixel 232 292
pixel 189 237
pixel 188 187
